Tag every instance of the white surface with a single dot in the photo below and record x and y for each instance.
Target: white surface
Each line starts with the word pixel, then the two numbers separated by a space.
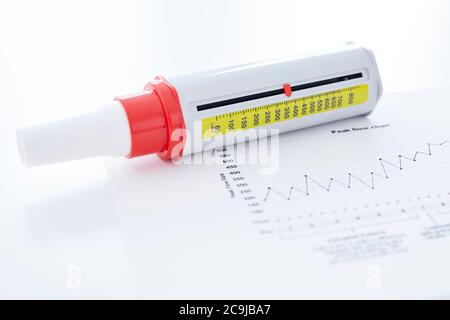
pixel 105 132
pixel 61 58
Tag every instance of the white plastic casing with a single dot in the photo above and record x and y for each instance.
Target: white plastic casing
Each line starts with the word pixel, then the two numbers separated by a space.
pixel 107 131
pixel 206 87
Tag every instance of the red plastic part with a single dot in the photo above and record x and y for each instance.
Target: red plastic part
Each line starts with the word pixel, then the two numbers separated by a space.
pixel 287 89
pixel 156 121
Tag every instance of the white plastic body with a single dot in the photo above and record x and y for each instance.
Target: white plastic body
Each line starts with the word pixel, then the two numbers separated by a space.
pixel 228 83
pixel 107 131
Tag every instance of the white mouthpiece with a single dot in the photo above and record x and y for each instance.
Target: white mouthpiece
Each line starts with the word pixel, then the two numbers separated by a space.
pixel 105 132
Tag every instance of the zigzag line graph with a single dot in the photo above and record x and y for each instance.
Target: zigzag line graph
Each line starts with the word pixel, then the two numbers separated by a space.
pixel 308 180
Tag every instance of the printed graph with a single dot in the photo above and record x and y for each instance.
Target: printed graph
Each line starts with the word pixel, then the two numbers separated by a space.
pixel 329 182
pixel 352 178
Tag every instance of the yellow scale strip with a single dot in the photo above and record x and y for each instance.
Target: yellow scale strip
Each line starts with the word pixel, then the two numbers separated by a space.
pixel 284 111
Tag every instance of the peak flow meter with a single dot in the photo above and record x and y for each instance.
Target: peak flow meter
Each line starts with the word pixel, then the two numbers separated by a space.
pixel 180 115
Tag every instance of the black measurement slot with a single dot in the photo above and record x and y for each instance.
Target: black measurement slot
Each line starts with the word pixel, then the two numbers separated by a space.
pixel 271 93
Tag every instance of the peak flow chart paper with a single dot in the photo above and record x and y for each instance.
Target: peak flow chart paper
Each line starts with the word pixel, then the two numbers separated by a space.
pixel 357 208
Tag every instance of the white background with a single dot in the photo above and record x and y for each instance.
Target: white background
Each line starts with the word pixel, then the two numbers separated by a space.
pixel 59 58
